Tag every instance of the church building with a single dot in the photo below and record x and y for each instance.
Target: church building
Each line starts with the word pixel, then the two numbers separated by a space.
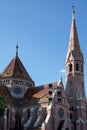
pixel 50 106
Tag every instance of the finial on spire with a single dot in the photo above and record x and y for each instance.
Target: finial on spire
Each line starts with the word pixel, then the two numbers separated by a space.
pixel 16 50
pixel 73 12
pixel 61 79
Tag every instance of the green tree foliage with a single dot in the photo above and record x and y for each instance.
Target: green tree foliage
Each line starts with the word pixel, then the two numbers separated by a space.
pixel 3 105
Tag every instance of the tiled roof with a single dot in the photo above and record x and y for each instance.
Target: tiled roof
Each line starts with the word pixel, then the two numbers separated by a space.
pixel 39 93
pixel 31 92
pixel 16 69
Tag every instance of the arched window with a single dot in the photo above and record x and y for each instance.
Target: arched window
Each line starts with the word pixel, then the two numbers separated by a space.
pixel 71 117
pixel 71 89
pixel 77 67
pixel 18 121
pixel 70 67
pixel 71 108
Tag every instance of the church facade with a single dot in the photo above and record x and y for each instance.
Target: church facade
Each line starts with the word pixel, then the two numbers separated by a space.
pixel 50 106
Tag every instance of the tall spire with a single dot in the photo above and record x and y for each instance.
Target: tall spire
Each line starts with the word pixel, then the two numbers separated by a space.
pixel 16 50
pixel 74 41
pixel 74 63
pixel 74 45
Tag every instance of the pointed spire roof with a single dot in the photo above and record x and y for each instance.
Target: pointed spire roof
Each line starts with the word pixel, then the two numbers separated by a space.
pixel 73 42
pixel 74 46
pixel 16 69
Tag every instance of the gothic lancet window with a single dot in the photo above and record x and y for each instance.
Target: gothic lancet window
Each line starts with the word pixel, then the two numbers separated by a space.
pixel 71 89
pixel 70 67
pixel 17 121
pixel 77 67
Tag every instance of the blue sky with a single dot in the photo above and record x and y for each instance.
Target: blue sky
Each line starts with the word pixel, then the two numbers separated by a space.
pixel 42 29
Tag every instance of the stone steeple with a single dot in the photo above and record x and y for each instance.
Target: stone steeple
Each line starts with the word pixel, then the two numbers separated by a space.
pixel 74 63
pixel 75 90
pixel 74 42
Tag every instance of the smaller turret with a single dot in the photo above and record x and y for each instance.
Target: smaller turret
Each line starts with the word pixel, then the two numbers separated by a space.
pixel 16 78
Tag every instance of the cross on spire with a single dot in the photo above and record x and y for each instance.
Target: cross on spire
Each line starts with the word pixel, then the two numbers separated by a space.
pixel 16 50
pixel 73 12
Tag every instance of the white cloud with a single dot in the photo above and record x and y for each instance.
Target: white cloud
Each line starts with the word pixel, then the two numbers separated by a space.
pixel 62 71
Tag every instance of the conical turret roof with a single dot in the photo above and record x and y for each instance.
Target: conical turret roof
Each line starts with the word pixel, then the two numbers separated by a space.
pixel 73 42
pixel 16 69
pixel 74 46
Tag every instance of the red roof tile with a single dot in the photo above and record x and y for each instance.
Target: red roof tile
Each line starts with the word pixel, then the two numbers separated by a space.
pixel 16 69
pixel 39 93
